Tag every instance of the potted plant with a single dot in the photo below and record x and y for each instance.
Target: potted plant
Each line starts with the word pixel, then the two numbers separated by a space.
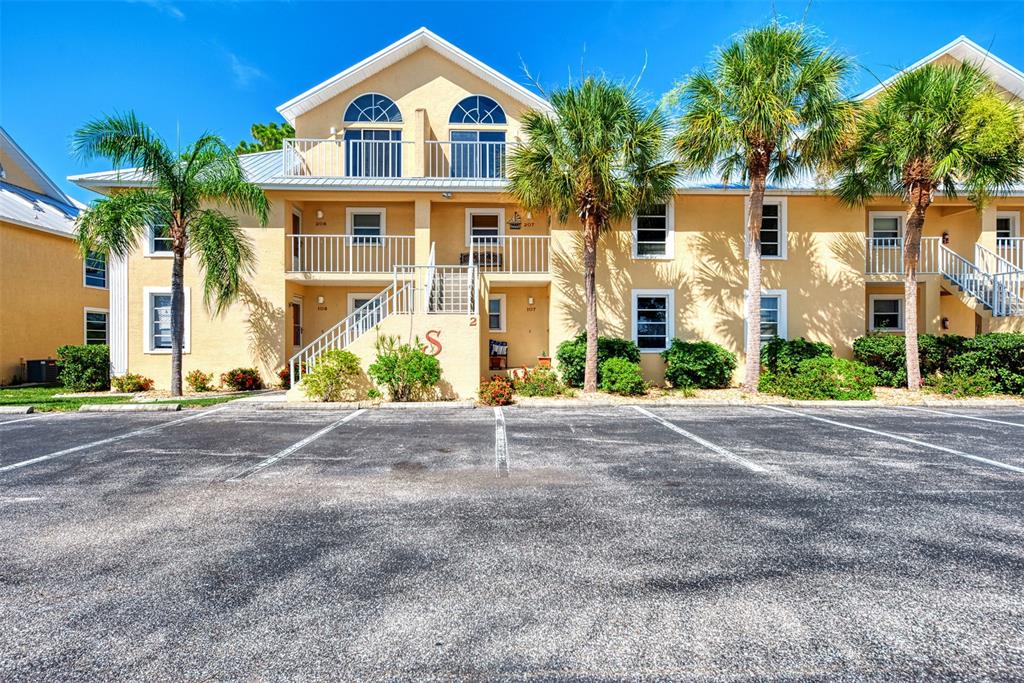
pixel 544 360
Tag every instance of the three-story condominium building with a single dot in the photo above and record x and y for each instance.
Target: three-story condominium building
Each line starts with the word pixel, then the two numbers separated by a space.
pixel 390 216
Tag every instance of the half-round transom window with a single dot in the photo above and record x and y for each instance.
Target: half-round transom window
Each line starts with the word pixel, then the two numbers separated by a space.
pixel 373 107
pixel 477 109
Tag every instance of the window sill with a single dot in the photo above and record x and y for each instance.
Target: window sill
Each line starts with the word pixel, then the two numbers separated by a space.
pixel 653 350
pixel 163 352
pixel 159 254
pixel 651 257
pixel 104 288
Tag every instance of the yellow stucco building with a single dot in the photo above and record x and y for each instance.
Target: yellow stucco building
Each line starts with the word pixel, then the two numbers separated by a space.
pixel 389 216
pixel 49 295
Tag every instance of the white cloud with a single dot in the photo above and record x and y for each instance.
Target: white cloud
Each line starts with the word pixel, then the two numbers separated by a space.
pixel 244 73
pixel 168 8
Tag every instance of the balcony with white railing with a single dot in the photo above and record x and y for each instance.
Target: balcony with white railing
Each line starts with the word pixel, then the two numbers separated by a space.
pixel 442 159
pixel 1011 249
pixel 884 256
pixel 509 254
pixel 350 254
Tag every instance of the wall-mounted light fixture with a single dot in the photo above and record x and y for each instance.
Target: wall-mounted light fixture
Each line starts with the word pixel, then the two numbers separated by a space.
pixel 446 195
pixel 334 131
pixel 945 238
pixel 319 214
pixel 529 301
pixel 320 300
pixel 945 323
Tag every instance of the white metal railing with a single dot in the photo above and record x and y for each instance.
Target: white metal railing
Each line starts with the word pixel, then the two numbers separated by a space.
pixel 884 256
pixel 332 158
pixel 510 254
pixel 475 160
pixel 990 261
pixel 397 298
pixel 350 253
pixel 1011 249
pixel 1008 293
pixel 444 289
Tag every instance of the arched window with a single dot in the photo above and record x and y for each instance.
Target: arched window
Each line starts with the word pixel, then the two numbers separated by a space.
pixel 374 108
pixel 477 109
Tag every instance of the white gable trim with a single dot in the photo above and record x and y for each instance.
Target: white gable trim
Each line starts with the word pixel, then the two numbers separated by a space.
pixel 965 50
pixel 50 188
pixel 404 47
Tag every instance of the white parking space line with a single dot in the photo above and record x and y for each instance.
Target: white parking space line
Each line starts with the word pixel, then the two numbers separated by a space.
pixel 21 419
pixel 905 439
pixel 112 439
pixel 729 455
pixel 500 443
pixel 962 416
pixel 281 455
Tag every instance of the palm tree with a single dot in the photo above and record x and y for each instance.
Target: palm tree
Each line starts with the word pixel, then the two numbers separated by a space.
pixel 599 155
pixel 771 106
pixel 933 129
pixel 181 188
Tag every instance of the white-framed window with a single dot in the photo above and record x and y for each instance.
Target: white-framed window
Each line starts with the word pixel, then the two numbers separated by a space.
pixel 157 321
pixel 158 241
pixel 653 313
pixel 496 313
pixel 95 324
pixel 367 225
pixel 774 315
pixel 774 227
pixel 886 313
pixel 1007 225
pixel 885 225
pixel 652 232
pixel 484 225
pixel 95 267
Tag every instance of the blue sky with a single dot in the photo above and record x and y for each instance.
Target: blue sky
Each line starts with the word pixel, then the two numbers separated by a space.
pixel 220 66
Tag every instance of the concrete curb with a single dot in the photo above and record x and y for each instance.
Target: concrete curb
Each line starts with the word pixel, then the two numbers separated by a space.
pixel 95 394
pixel 16 410
pixel 369 405
pixel 129 407
pixel 467 404
pixel 732 403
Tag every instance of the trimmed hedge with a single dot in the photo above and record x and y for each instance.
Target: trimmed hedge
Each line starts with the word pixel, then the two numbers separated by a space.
pixel 84 367
pixel 1000 355
pixel 780 358
pixel 961 384
pixel 826 378
pixel 886 353
pixel 701 365
pixel 572 356
pixel 622 376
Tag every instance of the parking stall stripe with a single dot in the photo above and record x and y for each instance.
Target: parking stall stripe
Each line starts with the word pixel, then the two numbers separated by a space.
pixel 500 443
pixel 965 417
pixel 22 419
pixel 112 439
pixel 906 439
pixel 281 455
pixel 729 455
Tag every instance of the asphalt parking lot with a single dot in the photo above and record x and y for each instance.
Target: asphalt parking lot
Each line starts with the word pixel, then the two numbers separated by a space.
pixel 603 544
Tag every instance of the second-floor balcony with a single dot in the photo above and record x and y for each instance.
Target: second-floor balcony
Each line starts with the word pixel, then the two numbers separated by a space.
pixel 334 158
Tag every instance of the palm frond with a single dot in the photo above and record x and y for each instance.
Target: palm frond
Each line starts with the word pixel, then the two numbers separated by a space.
pixel 225 255
pixel 115 224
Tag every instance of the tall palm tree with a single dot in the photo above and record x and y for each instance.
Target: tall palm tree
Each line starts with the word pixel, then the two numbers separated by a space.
pixel 939 128
pixel 770 106
pixel 599 155
pixel 181 188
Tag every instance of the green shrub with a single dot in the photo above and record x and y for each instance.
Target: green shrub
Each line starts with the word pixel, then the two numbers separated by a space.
pixel 84 367
pixel 199 381
pixel 242 379
pixel 825 378
pixel 701 365
pixel 496 392
pixel 572 356
pixel 886 353
pixel 782 356
pixel 999 355
pixel 622 376
pixel 961 384
pixel 405 369
pixel 374 393
pixel 131 383
pixel 538 382
pixel 333 378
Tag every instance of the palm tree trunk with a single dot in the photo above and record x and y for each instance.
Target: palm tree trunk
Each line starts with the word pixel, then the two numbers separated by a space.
pixel 177 315
pixel 753 362
pixel 590 231
pixel 911 259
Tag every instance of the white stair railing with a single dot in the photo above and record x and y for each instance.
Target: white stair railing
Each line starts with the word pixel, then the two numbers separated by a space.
pixel 397 298
pixel 1012 250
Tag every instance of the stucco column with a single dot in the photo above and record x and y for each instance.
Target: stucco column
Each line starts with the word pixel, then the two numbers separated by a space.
pixel 932 306
pixel 421 128
pixel 422 230
pixel 987 238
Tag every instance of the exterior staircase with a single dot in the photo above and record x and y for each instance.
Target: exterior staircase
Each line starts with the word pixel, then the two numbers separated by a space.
pixel 995 283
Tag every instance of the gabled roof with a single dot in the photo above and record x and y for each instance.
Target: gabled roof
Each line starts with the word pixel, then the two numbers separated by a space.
pixel 964 49
pixel 420 38
pixel 24 161
pixel 37 211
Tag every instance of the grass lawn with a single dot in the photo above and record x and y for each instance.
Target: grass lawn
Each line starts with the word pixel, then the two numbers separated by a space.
pixel 42 399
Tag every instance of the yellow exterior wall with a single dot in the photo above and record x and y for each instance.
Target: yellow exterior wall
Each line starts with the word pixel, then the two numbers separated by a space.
pixel 526 326
pixel 16 175
pixel 42 297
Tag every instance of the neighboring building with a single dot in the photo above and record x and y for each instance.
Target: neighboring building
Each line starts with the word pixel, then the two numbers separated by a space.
pixel 49 295
pixel 389 212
